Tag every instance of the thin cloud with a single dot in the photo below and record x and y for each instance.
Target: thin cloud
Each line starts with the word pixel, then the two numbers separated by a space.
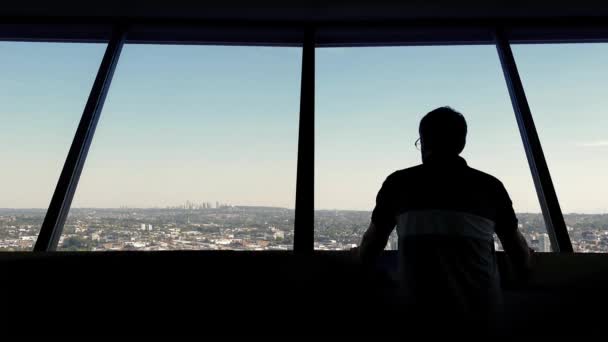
pixel 598 143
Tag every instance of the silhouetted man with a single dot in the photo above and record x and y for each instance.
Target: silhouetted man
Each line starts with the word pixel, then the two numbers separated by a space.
pixel 446 214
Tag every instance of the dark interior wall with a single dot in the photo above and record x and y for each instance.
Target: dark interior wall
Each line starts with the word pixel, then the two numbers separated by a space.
pixel 564 296
pixel 261 293
pixel 332 10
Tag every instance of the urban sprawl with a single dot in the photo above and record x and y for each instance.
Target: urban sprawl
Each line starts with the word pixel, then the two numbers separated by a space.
pixel 217 226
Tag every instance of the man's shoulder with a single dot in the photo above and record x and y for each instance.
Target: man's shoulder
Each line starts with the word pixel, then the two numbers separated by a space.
pixel 404 173
pixel 484 177
pixel 415 172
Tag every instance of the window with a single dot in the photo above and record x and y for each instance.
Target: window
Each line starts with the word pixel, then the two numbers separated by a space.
pixel 565 86
pixel 368 107
pixel 43 90
pixel 196 148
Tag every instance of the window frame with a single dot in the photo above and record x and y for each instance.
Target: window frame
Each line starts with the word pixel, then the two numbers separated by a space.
pixel 309 36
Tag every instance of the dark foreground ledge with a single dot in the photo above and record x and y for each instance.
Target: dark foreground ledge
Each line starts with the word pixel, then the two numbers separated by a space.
pixel 210 292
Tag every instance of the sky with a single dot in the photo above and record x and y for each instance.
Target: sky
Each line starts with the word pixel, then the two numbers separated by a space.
pixel 219 123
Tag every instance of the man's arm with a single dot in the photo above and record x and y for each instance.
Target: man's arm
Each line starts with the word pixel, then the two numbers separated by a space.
pixel 512 240
pixel 373 242
pixel 383 221
pixel 517 249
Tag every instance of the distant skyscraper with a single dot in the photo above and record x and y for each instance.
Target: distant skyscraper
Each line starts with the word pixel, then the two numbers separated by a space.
pixel 150 227
pixel 143 226
pixel 544 242
pixel 217 204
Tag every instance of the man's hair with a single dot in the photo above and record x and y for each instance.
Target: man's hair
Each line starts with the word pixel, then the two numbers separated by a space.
pixel 443 130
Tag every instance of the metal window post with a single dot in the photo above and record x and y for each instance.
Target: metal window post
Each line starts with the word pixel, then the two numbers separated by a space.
pixel 552 213
pixel 305 182
pixel 68 180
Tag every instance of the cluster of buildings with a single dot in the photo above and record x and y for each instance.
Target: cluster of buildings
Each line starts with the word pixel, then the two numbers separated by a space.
pixel 195 226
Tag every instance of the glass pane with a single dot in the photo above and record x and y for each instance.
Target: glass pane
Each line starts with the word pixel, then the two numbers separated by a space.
pixel 196 149
pixel 43 90
pixel 565 85
pixel 369 104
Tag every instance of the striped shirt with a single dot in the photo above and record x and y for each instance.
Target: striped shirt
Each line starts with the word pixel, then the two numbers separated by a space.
pixel 446 215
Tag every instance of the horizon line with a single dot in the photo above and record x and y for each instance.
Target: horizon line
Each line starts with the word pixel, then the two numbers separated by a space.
pixel 259 206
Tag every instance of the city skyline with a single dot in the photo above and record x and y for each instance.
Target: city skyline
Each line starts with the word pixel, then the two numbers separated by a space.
pixel 179 205
pixel 243 228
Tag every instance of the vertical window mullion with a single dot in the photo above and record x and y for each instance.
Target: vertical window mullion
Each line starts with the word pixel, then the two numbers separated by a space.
pixel 304 207
pixel 59 207
pixel 552 213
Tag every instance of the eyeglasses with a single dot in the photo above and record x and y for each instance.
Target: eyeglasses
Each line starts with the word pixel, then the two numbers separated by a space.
pixel 417 144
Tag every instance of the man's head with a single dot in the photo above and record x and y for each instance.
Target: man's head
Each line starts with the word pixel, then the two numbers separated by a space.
pixel 443 131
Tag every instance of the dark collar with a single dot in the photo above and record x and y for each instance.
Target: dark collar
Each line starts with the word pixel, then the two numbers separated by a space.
pixel 445 160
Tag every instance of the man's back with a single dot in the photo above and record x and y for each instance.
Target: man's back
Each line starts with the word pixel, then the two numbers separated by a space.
pixel 446 214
